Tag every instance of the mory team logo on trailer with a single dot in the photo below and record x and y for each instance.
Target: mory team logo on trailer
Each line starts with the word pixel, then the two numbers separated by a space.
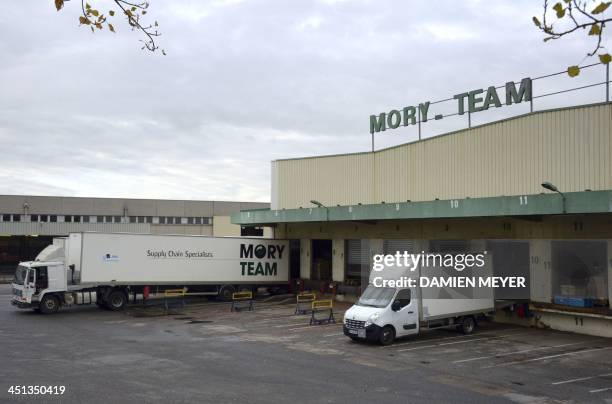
pixel 249 253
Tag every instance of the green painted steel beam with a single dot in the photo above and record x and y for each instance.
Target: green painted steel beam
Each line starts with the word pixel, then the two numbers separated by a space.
pixel 520 205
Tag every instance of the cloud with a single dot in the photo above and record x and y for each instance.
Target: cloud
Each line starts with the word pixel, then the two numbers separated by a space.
pixel 244 82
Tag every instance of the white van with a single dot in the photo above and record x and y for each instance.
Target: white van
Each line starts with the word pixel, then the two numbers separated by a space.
pixel 385 313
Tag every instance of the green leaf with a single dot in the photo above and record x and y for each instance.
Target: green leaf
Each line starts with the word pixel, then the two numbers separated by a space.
pixel 595 30
pixel 83 20
pixel 95 12
pixel 111 28
pixel 548 38
pixel 537 22
pixel 601 7
pixel 111 13
pixel 87 6
pixel 573 71
pixel 559 9
pixel 59 4
pixel 605 58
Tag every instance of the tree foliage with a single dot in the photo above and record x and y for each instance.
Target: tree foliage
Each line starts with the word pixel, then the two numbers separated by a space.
pixel 134 14
pixel 569 16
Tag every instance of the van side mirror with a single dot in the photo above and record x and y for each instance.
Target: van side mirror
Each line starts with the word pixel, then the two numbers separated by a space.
pixel 396 306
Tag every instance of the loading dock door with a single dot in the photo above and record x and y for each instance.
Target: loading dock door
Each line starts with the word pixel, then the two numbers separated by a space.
pixel 357 253
pixel 579 269
pixel 321 269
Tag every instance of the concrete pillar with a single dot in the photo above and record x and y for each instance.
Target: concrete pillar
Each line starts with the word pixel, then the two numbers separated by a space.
pixel 609 280
pixel 305 259
pixel 338 260
pixel 540 268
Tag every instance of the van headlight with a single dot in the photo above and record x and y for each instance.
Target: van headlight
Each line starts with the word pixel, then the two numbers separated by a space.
pixel 372 319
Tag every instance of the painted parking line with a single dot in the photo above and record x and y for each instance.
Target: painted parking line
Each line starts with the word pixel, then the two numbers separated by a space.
pixel 517 352
pixel 290 324
pixel 582 379
pixel 312 327
pixel 547 357
pixel 429 340
pixel 461 342
pixel 333 335
pixel 600 390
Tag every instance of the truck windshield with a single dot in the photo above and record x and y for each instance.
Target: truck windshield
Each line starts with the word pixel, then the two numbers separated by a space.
pixel 20 275
pixel 376 297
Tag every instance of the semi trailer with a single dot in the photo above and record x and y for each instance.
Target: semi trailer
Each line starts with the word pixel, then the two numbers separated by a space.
pixel 404 307
pixel 108 269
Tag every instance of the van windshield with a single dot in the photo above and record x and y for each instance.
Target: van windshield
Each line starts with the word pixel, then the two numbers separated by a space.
pixel 376 297
pixel 20 275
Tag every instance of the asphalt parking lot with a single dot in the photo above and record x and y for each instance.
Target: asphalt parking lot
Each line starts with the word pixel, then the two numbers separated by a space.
pixel 207 354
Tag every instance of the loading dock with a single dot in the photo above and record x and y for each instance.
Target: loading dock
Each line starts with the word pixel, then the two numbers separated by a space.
pixel 476 189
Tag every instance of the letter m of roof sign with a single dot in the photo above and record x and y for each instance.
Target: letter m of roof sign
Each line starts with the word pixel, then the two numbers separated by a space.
pixel 378 123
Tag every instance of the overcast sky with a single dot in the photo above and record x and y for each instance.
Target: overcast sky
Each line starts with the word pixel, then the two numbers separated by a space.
pixel 244 82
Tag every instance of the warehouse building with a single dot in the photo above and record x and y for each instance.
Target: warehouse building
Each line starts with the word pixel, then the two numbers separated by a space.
pixel 485 188
pixel 28 223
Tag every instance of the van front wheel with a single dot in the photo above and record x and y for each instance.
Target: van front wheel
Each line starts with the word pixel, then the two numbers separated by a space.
pixel 468 324
pixel 387 335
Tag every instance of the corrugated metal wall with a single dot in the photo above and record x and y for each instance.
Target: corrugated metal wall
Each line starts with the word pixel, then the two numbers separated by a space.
pixel 572 148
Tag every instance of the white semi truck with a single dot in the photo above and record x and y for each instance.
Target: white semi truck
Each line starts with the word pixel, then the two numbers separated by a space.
pixel 385 312
pixel 109 268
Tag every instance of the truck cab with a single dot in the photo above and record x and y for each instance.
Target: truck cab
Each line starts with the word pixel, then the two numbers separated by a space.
pixel 34 283
pixel 382 314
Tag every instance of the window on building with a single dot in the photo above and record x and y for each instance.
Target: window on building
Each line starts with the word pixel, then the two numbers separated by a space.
pixel 169 220
pixel 53 218
pixel 198 220
pixel 149 219
pixel 190 220
pixel 108 219
pixel 16 218
pixel 67 218
pixel 85 219
pixel 44 218
pixel 141 219
pixel 248 231
pixel 6 218
pixel 33 218
pixel 76 219
pixel 132 219
pixel 117 219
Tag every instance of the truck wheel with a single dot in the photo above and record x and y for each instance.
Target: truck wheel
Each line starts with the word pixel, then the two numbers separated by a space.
pixel 468 324
pixel 387 335
pixel 49 304
pixel 117 300
pixel 226 292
